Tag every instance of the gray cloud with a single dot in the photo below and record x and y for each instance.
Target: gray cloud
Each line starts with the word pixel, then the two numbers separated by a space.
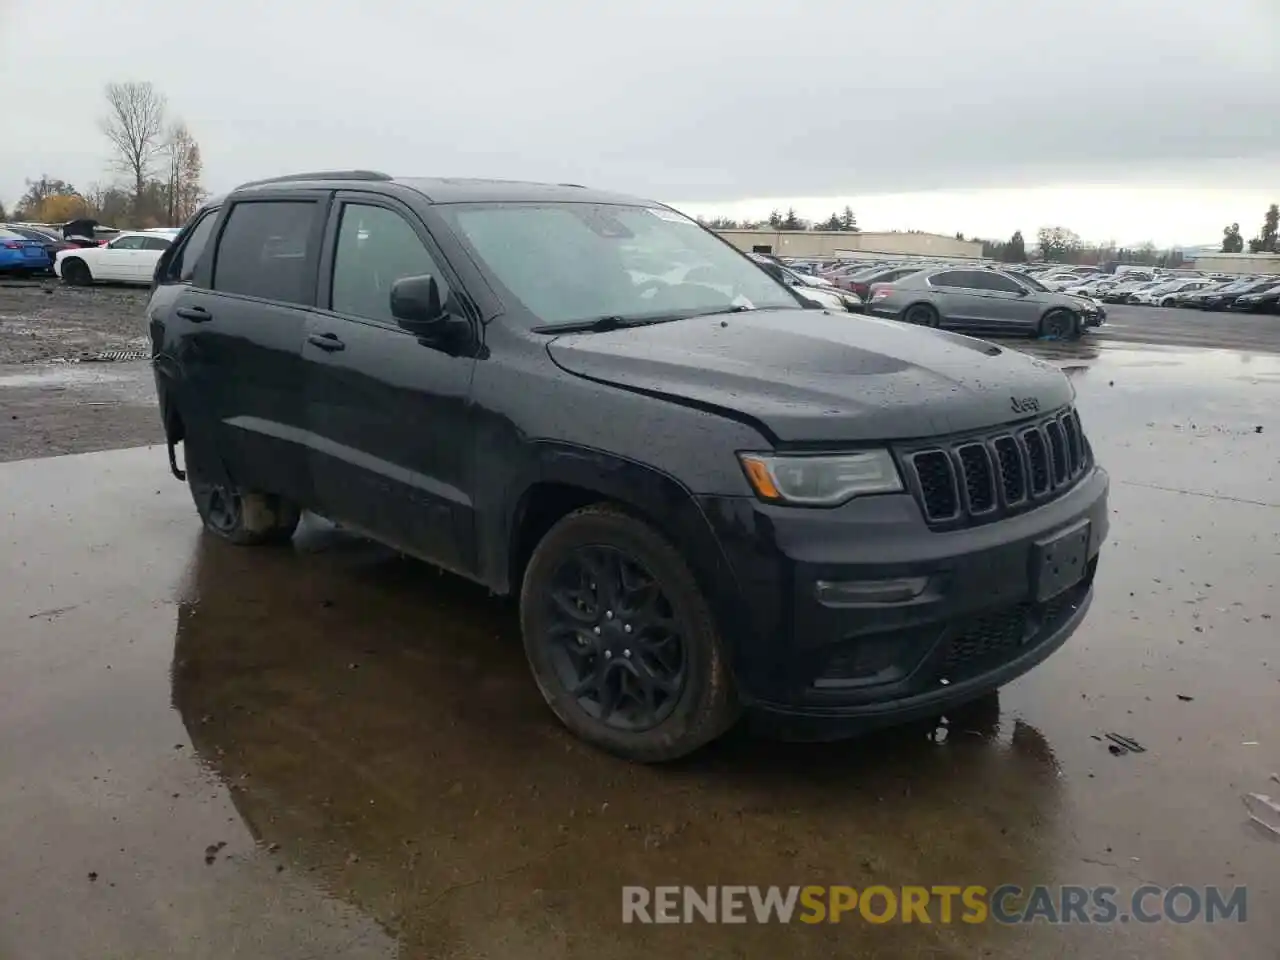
pixel 697 100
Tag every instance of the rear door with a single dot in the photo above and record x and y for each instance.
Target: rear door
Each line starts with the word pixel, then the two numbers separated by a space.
pixel 240 321
pixel 386 409
pixel 957 296
pixel 153 249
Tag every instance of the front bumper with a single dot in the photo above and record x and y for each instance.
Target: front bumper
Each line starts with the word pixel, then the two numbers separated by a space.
pixel 973 625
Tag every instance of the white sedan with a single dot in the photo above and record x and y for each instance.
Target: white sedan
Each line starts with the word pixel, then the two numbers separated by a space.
pixel 128 258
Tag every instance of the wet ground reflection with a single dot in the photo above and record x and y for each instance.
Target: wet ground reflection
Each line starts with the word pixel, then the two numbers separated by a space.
pixel 377 722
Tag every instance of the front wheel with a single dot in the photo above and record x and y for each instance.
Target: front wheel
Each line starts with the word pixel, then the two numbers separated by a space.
pixel 243 517
pixel 76 273
pixel 621 640
pixel 1059 325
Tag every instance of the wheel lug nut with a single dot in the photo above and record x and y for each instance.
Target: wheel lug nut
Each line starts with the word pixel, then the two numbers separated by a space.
pixel 596 631
pixel 608 614
pixel 626 653
pixel 626 628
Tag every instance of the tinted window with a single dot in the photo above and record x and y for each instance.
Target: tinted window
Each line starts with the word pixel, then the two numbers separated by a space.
pixel 30 234
pixel 183 265
pixel 264 250
pixel 128 243
pixel 957 278
pixel 155 243
pixel 376 247
pixel 996 281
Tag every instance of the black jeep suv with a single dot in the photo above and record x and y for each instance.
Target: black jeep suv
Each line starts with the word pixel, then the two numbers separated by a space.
pixel 707 496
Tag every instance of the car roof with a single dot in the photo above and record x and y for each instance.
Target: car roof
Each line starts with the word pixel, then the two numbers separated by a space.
pixel 446 189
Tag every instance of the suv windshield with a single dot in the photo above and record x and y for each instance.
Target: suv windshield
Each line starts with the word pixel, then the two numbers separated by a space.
pixel 574 262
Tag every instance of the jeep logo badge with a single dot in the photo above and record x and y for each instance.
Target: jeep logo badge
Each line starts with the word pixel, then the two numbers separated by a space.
pixel 1024 404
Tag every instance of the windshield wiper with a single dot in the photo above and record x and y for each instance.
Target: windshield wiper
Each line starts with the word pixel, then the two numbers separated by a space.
pixel 599 324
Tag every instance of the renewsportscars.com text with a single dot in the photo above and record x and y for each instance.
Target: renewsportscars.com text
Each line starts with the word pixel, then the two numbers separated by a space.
pixel 972 904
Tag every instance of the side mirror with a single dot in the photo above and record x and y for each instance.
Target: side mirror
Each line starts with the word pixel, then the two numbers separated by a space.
pixel 415 303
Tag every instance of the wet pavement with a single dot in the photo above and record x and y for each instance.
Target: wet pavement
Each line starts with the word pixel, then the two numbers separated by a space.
pixel 329 751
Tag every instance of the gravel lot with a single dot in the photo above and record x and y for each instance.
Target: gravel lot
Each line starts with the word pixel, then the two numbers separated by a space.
pixel 42 321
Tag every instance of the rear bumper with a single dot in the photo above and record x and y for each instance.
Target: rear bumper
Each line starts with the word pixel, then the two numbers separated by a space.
pixel 965 619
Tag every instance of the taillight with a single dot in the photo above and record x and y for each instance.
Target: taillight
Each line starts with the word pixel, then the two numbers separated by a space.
pixel 861 289
pixel 100 243
pixel 881 293
pixel 10 245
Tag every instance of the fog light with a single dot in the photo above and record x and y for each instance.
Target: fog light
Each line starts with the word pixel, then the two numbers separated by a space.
pixel 849 593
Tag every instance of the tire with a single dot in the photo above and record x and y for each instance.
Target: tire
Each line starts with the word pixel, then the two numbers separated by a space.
pixel 922 315
pixel 242 517
pixel 1059 325
pixel 76 273
pixel 670 692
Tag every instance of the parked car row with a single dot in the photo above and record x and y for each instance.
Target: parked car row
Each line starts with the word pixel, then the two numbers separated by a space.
pixel 130 258
pixel 968 295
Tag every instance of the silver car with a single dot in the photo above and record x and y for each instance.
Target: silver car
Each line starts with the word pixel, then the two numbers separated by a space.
pixel 987 301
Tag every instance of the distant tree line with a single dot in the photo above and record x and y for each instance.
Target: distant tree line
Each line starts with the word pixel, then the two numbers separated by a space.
pixel 157 156
pixel 842 222
pixel 1267 240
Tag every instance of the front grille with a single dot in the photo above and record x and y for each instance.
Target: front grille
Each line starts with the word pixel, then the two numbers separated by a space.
pixel 974 479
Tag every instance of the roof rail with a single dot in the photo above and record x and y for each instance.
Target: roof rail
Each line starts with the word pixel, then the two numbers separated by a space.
pixel 320 175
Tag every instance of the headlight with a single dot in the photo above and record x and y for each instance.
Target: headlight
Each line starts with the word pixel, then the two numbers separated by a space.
pixel 822 480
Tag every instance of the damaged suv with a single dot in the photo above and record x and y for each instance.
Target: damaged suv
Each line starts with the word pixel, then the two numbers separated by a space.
pixel 708 497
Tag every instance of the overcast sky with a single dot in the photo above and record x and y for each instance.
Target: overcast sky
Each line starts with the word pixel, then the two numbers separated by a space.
pixel 1123 119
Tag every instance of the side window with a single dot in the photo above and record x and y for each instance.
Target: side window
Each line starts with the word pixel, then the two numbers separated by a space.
pixel 183 265
pixel 263 250
pixel 155 243
pixel 1004 284
pixel 127 243
pixel 376 247
pixel 951 278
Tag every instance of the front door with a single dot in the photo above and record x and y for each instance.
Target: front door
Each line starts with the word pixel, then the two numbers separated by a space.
pixel 1005 305
pixel 118 260
pixel 387 411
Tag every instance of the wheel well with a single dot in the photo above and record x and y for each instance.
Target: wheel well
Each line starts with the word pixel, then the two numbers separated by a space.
pixel 541 507
pixel 544 505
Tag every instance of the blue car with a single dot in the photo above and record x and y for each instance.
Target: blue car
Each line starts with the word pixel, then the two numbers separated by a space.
pixel 21 256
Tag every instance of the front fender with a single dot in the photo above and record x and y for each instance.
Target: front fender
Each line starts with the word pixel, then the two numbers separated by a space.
pixel 652 494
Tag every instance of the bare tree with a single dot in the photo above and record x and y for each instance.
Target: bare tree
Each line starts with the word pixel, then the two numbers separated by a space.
pixel 135 126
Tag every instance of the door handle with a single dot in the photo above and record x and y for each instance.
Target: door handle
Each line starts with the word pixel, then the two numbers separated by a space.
pixel 326 341
pixel 194 314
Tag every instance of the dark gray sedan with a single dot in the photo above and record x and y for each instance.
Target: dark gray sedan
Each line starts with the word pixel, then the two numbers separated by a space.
pixel 983 300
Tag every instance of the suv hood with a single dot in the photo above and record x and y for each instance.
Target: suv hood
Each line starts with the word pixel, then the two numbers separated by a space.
pixel 806 375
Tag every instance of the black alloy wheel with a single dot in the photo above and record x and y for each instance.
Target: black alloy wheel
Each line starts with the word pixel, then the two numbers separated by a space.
pixel 1059 325
pixel 615 644
pixel 621 639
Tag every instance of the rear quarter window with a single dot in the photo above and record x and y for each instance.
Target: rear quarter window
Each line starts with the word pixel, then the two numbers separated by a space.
pixel 264 250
